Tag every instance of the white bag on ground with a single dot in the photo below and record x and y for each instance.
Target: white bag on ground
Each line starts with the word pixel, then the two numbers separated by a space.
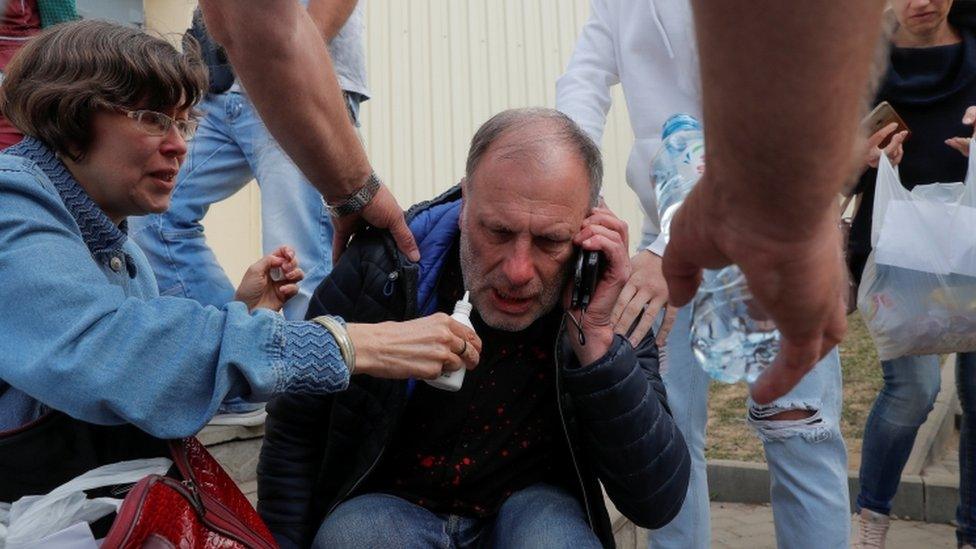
pixel 918 289
pixel 32 518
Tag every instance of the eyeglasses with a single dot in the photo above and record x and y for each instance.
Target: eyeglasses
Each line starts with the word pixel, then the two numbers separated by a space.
pixel 158 124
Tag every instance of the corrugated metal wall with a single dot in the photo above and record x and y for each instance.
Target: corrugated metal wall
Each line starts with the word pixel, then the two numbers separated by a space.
pixel 233 227
pixel 438 69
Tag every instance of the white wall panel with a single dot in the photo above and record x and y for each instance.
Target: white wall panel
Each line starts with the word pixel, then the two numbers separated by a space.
pixel 232 227
pixel 437 69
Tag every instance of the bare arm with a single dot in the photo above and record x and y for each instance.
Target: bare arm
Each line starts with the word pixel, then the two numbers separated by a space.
pixel 276 50
pixel 281 58
pixel 781 110
pixel 330 15
pixel 782 102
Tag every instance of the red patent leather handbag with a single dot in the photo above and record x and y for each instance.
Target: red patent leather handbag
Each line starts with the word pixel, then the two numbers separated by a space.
pixel 204 510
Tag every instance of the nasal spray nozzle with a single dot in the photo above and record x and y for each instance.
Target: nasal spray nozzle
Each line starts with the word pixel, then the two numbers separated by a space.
pixel 451 381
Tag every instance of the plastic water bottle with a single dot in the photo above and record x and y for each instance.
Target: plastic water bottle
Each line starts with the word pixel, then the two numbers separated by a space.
pixel 677 166
pixel 731 338
pixel 451 381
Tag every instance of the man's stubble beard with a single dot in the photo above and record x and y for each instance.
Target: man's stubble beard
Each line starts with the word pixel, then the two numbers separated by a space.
pixel 548 297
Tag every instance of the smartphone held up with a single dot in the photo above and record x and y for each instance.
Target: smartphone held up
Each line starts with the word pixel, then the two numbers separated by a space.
pixel 881 117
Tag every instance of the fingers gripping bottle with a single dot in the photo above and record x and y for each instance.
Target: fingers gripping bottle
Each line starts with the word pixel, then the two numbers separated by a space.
pixel 732 339
pixel 451 381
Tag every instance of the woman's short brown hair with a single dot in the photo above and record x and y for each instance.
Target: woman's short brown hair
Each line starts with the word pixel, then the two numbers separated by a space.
pixel 61 77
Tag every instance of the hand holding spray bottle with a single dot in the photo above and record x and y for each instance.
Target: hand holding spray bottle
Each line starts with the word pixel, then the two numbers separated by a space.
pixel 451 381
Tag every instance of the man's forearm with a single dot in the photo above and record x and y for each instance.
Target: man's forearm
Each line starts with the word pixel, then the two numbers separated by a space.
pixel 781 107
pixel 284 64
pixel 330 15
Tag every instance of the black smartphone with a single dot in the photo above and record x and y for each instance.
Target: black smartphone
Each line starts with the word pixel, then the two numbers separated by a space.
pixel 589 268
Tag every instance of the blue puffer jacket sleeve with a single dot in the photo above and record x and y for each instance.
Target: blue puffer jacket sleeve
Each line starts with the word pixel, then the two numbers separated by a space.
pixel 628 433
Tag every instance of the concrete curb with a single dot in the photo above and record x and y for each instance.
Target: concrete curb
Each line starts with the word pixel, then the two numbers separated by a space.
pixel 931 498
pixel 924 497
pixel 939 427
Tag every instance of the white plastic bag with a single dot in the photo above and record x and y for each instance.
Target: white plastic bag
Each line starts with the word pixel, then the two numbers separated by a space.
pixel 32 518
pixel 918 289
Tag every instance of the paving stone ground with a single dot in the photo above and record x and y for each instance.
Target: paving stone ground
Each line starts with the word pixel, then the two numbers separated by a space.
pixel 742 526
pixel 734 525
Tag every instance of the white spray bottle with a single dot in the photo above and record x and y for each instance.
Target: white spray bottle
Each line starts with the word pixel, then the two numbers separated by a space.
pixel 451 381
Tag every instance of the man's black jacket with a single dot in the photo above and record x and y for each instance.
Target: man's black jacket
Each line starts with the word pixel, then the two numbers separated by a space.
pixel 319 449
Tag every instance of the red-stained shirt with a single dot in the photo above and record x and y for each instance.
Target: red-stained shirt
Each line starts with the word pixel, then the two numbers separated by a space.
pixel 464 453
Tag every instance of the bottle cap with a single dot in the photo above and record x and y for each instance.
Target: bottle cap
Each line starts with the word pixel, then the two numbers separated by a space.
pixel 464 305
pixel 679 122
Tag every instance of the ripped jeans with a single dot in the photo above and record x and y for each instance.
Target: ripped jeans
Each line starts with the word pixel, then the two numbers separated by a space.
pixel 807 457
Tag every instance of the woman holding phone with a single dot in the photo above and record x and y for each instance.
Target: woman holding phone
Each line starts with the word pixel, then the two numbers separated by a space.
pixel 931 84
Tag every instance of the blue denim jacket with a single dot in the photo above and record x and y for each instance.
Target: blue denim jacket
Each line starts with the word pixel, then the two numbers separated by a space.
pixel 84 331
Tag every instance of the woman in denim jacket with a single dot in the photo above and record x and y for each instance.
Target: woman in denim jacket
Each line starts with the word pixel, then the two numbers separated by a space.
pixel 85 339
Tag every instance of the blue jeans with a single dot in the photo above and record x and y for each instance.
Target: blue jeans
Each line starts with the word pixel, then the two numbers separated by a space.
pixel 540 516
pixel 807 458
pixel 911 385
pixel 232 147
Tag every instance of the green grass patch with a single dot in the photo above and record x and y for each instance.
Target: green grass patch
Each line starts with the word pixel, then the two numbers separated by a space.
pixel 729 437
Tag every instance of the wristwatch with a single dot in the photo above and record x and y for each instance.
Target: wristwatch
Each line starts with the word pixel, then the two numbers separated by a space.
pixel 358 200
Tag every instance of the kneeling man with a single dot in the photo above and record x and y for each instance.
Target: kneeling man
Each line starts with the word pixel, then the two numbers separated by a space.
pixel 517 456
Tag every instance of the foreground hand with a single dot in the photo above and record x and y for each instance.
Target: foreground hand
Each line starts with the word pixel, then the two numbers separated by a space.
pixel 961 144
pixel 605 232
pixel 421 348
pixel 894 149
pixel 260 290
pixel 800 283
pixel 644 295
pixel 382 212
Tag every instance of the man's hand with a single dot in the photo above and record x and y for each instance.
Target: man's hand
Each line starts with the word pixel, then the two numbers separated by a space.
pixel 644 295
pixel 275 45
pixel 262 289
pixel 961 144
pixel 781 141
pixel 605 232
pixel 799 283
pixel 382 212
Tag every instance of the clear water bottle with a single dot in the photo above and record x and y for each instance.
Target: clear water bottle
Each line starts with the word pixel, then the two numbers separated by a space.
pixel 730 336
pixel 677 166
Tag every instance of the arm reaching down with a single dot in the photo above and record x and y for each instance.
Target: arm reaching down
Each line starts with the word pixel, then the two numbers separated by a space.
pixel 783 88
pixel 274 45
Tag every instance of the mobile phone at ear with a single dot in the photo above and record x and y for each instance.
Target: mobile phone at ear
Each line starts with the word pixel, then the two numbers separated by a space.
pixel 881 116
pixel 586 274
